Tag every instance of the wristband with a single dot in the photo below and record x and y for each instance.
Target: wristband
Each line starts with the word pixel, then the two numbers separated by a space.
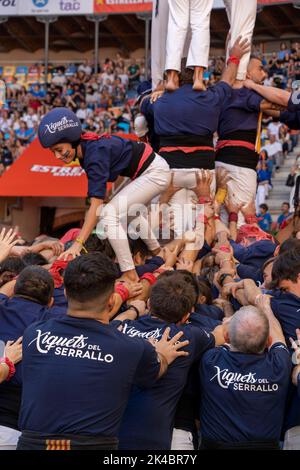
pixel 122 291
pixel 233 217
pixel 225 249
pixel 81 242
pixel 11 366
pixel 251 219
pixel 204 200
pixel 221 195
pixel 133 307
pixel 234 60
pixel 149 277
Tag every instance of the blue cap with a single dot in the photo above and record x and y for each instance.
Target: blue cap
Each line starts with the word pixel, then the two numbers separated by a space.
pixel 60 125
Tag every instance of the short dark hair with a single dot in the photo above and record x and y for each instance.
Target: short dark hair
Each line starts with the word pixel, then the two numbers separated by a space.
pixel 34 259
pixel 264 206
pixel 287 204
pixel 95 245
pixel 172 297
pixel 14 264
pixel 36 284
pixel 289 245
pixel 286 267
pixel 90 277
pixel 205 290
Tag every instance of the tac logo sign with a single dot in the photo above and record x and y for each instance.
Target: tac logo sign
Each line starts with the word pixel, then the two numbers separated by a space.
pixel 54 7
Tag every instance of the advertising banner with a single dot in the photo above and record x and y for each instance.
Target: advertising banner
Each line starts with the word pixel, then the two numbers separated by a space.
pixel 8 7
pixel 55 7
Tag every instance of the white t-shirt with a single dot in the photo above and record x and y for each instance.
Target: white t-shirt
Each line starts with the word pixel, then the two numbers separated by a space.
pixel 30 120
pixel 273 128
pixel 272 149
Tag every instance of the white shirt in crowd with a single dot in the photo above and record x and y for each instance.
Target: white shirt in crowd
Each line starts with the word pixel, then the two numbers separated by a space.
pixel 87 69
pixel 273 129
pixel 30 120
pixel 272 149
pixel 84 113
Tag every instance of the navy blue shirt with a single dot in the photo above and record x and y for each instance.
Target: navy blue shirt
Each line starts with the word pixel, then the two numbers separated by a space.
pixel 291 119
pixel 103 161
pixel 149 416
pixel 286 308
pixel 186 111
pixel 16 314
pixel 77 376
pixel 203 320
pixel 254 255
pixel 240 111
pixel 243 395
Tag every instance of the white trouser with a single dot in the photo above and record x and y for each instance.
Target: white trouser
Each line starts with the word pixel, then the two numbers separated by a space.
pixel 159 34
pixel 158 41
pixel 292 439
pixel 8 438
pixel 182 440
pixel 242 16
pixel 127 205
pixel 182 204
pixel 185 14
pixel 260 197
pixel 241 187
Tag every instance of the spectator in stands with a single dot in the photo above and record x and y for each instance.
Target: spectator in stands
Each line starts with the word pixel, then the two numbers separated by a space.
pixel 285 214
pixel 264 218
pixel 134 73
pixel 274 149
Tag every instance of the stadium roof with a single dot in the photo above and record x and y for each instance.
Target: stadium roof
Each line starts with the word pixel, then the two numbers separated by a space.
pixel 127 32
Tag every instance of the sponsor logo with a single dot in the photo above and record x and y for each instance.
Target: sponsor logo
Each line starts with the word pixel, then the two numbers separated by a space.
pixel 239 382
pixel 75 346
pixel 40 3
pixel 58 170
pixel 59 126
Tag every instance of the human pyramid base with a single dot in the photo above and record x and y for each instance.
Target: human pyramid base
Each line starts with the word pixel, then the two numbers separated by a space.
pixel 170 320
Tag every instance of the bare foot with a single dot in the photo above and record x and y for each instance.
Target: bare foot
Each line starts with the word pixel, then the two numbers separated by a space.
pixel 172 80
pixel 199 85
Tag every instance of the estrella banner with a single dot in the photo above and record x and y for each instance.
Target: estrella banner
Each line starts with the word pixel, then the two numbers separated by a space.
pixel 143 6
pixel 122 6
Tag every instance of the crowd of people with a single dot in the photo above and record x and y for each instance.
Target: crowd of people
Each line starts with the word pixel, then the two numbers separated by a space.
pixel 170 319
pixel 104 101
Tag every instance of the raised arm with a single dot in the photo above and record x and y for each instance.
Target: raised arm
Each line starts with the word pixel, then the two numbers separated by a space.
pixel 272 94
pixel 239 49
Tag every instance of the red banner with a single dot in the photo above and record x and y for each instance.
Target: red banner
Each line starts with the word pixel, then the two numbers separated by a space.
pixel 138 6
pixel 122 6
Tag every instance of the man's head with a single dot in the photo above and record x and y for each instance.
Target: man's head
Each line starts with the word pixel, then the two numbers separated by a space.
pixel 10 268
pixel 36 284
pixel 286 272
pixel 248 331
pixel 263 209
pixel 256 70
pixel 173 297
pixel 267 273
pixel 285 208
pixel 89 283
pixel 273 138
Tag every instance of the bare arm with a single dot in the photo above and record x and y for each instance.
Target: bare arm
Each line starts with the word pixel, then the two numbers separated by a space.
pixel 90 221
pixel 272 94
pixel 264 304
pixel 240 48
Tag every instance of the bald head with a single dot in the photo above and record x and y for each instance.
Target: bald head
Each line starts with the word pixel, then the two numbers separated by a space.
pixel 249 330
